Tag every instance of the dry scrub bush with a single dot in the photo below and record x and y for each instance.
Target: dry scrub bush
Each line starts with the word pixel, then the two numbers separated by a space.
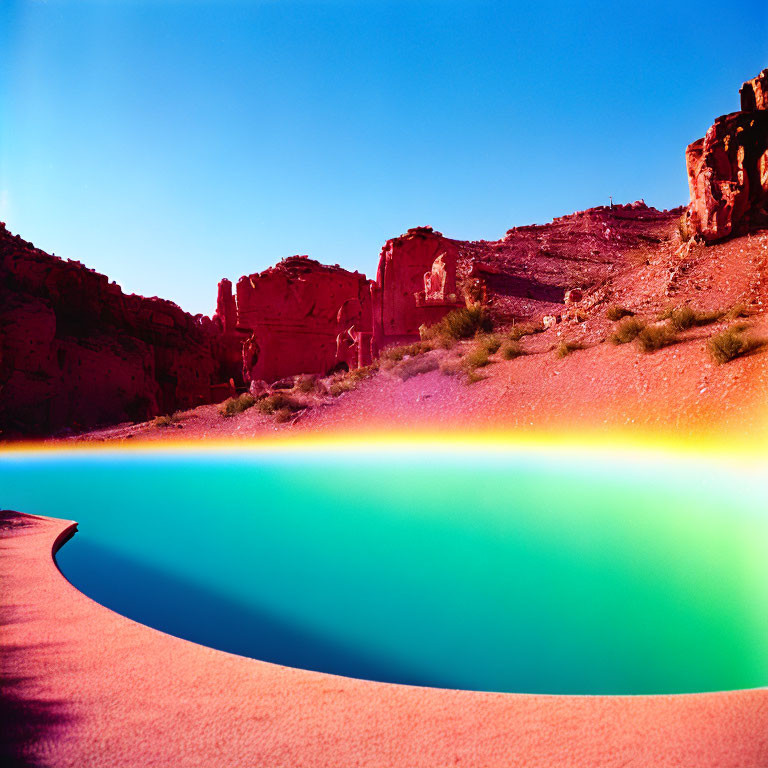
pixel 475 358
pixel 305 384
pixel 628 329
pixel 510 350
pixel 683 318
pixel 616 312
pixel 491 343
pixel 415 365
pixel 461 323
pixel 732 343
pixel 278 401
pixel 564 348
pixel 235 405
pixel 654 337
pixel 524 329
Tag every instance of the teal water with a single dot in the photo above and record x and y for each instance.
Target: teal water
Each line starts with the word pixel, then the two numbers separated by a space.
pixel 489 571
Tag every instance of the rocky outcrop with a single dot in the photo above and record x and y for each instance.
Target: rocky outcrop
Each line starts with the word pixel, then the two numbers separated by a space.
pixel 300 316
pixel 416 284
pixel 728 170
pixel 76 352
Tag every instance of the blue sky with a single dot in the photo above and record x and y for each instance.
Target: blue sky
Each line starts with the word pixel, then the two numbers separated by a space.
pixel 169 143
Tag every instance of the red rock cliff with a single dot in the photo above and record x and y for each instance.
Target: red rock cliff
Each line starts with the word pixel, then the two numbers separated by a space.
pixel 728 169
pixel 296 315
pixel 75 351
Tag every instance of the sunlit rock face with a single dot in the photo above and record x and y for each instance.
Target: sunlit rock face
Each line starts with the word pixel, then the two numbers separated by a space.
pixel 294 315
pixel 415 285
pixel 76 352
pixel 728 169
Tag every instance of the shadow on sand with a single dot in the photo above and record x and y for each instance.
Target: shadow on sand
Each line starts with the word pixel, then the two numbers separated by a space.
pixel 26 720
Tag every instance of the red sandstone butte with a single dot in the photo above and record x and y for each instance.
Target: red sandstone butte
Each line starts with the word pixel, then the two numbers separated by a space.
pixel 728 169
pixel 292 316
pixel 415 285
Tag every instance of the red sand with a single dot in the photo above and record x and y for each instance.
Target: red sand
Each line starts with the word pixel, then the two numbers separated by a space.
pixel 129 695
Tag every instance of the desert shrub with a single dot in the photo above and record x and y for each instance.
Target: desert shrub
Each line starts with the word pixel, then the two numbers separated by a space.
pixel 362 373
pixel 235 405
pixel 396 354
pixel 283 414
pixel 628 329
pixel 477 357
pixel 565 347
pixel 524 329
pixel 340 386
pixel 416 365
pixel 654 337
pixel 305 384
pixel 737 311
pixel 163 421
pixel 683 228
pixel 491 342
pixel 278 401
pixel 461 323
pixel 732 343
pixel 510 350
pixel 473 376
pixel 616 312
pixel 682 318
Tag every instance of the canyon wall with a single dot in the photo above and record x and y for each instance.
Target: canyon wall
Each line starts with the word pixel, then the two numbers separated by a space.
pixel 728 170
pixel 76 352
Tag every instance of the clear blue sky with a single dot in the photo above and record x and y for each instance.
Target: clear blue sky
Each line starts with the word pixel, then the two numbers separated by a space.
pixel 169 143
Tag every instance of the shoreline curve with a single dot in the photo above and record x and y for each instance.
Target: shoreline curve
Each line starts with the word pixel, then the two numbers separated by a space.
pixel 133 695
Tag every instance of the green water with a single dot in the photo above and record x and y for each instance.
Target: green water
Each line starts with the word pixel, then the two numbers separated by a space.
pixel 492 571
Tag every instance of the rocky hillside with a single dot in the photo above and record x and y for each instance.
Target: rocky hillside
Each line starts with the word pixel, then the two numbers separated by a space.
pixel 75 351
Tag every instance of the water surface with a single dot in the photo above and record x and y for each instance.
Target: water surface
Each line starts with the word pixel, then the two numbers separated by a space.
pixel 547 573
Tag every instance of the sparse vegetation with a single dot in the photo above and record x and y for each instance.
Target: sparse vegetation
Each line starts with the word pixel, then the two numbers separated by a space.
pixel 616 312
pixel 341 385
pixel 461 323
pixel 478 357
pixel 305 384
pixel 732 343
pixel 413 366
pixel 737 311
pixel 565 347
pixel 473 377
pixel 510 350
pixel 396 354
pixel 628 329
pixel 682 318
pixel 235 405
pixel 491 343
pixel 683 228
pixel 283 414
pixel 524 329
pixel 166 420
pixel 656 336
pixel 279 401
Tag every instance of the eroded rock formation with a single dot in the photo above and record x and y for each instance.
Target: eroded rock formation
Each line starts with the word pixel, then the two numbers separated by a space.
pixel 728 169
pixel 75 351
pixel 300 316
pixel 415 285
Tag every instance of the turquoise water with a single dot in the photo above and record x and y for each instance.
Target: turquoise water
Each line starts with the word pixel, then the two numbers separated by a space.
pixel 490 571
